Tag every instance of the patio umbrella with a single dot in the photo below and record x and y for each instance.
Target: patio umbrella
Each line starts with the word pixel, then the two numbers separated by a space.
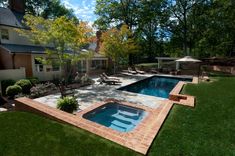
pixel 188 59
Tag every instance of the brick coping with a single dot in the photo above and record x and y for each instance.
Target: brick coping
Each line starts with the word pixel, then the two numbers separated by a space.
pixel 180 99
pixel 139 139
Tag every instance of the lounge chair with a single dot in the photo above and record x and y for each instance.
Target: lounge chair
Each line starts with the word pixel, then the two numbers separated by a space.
pixel 108 81
pixel 175 72
pixel 66 91
pixel 111 78
pixel 139 71
pixel 154 71
pixel 131 71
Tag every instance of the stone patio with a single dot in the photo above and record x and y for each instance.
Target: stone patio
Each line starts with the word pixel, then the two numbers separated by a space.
pixel 94 96
pixel 86 96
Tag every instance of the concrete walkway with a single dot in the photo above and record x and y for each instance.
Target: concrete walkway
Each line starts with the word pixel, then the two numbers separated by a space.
pixel 86 96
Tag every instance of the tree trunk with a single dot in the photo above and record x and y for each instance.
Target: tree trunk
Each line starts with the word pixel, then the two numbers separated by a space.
pixel 185 34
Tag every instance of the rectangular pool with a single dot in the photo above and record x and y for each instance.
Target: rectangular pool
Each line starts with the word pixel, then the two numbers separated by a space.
pixel 159 86
pixel 119 117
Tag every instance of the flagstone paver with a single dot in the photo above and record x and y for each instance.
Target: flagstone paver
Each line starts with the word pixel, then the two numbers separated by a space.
pixel 94 96
pixel 138 139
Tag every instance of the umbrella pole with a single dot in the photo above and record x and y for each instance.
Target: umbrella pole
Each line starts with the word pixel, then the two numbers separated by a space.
pixel 199 69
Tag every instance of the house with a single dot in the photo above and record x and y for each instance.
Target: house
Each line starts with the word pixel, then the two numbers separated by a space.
pixel 17 51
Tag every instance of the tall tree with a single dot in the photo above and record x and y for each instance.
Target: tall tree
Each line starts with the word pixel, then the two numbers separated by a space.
pixel 113 12
pixel 117 45
pixel 218 35
pixel 65 37
pixel 152 22
pixel 45 8
pixel 180 11
pixel 176 27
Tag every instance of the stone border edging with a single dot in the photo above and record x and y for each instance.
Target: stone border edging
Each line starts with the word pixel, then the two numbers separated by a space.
pixel 139 139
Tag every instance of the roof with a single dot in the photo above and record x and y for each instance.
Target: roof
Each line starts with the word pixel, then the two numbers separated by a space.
pixel 11 18
pixel 166 58
pixel 188 59
pixel 16 48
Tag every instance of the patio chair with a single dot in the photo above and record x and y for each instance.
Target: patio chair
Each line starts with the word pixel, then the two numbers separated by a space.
pixel 139 71
pixel 154 71
pixel 174 72
pixel 66 91
pixel 108 81
pixel 131 71
pixel 111 78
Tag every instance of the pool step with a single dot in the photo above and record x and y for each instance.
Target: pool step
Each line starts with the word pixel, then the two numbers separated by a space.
pixel 122 112
pixel 123 118
pixel 121 125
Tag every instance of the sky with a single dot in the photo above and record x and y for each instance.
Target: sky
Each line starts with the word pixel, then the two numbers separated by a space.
pixel 83 9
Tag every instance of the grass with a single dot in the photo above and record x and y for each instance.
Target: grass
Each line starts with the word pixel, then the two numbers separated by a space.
pixel 207 129
pixel 26 134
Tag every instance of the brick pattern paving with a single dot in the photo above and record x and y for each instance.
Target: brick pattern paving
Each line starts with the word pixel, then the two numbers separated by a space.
pixel 180 99
pixel 138 139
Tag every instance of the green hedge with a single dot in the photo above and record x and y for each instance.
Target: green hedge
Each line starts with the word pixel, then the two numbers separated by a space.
pixel 25 85
pixel 33 80
pixel 13 90
pixel 5 84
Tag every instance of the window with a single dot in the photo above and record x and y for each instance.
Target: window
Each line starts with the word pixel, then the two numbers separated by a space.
pixel 38 65
pixel 98 64
pixel 4 34
pixel 82 66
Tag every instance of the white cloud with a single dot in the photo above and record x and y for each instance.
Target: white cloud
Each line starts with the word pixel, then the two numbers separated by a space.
pixel 83 9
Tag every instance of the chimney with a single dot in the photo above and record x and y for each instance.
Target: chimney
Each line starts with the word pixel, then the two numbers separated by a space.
pixel 98 42
pixel 17 5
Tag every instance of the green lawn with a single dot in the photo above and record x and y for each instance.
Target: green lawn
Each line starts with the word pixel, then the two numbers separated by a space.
pixel 207 129
pixel 25 134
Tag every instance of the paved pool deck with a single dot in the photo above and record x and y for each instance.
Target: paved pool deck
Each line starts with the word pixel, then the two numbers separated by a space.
pixel 92 97
pixel 86 96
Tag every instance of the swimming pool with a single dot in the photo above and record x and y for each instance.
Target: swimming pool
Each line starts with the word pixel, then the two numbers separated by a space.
pixel 119 117
pixel 159 86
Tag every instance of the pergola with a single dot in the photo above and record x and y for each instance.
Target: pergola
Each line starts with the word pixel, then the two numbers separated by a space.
pixel 160 59
pixel 188 59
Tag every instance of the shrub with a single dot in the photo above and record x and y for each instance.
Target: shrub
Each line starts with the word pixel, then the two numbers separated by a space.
pixel 5 84
pixel 25 85
pixel 67 104
pixel 42 89
pixel 33 80
pixel 13 90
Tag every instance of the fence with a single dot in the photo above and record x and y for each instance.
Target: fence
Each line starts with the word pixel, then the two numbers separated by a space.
pixel 14 74
pixel 227 69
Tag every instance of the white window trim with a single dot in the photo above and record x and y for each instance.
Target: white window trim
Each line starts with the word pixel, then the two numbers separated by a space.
pixel 8 36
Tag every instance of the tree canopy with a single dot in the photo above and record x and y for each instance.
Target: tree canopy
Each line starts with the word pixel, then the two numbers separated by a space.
pixel 118 44
pixel 201 28
pixel 63 38
pixel 45 8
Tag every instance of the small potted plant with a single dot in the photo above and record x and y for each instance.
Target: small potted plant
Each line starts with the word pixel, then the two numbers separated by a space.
pixel 68 104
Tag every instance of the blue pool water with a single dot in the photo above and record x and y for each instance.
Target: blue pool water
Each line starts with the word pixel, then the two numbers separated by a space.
pixel 158 86
pixel 116 116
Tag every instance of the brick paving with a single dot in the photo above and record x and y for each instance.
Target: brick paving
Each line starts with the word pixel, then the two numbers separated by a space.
pixel 139 139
